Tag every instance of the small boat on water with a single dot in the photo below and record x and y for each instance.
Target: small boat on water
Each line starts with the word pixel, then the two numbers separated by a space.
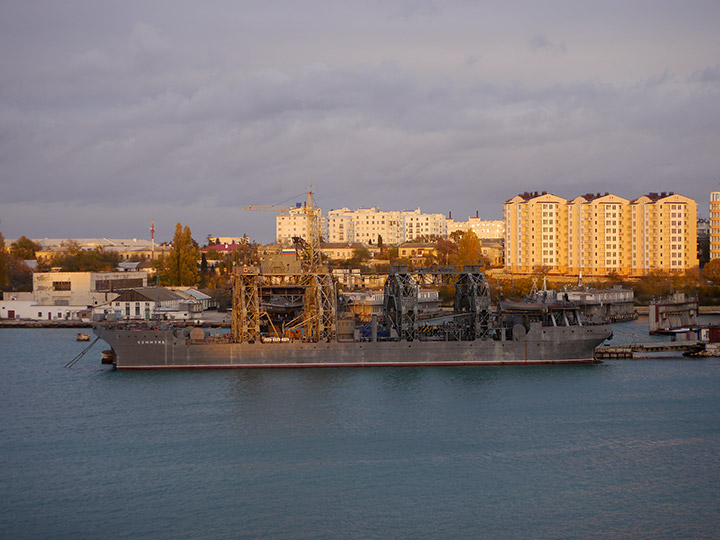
pixel 83 337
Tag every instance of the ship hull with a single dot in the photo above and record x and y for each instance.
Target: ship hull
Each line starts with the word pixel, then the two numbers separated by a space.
pixel 169 349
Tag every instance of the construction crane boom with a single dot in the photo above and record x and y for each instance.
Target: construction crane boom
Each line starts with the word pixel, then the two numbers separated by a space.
pixel 269 208
pixel 308 249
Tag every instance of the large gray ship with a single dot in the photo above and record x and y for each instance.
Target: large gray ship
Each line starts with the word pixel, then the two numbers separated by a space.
pixel 475 333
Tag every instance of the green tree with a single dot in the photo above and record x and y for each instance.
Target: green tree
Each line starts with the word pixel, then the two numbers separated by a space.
pixel 360 255
pixel 84 260
pixel 24 249
pixel 711 271
pixel 182 260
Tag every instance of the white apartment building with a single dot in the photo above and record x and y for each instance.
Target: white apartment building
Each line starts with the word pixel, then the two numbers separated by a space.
pixel 294 223
pixel 418 224
pixel 486 229
pixel 368 225
pixel 365 225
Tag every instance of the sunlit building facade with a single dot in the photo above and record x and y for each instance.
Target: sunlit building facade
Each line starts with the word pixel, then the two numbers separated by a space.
pixel 371 225
pixel 715 225
pixel 483 228
pixel 295 223
pixel 600 234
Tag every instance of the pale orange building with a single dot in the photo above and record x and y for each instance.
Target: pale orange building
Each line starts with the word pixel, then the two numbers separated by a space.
pixel 715 225
pixel 536 233
pixel 664 230
pixel 600 234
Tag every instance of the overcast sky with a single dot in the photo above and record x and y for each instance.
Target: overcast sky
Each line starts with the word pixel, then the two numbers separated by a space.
pixel 113 114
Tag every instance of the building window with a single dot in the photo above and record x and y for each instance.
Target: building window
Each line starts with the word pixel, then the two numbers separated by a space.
pixel 61 285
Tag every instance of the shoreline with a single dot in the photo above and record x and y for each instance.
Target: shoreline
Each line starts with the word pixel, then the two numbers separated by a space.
pixel 17 323
pixel 81 324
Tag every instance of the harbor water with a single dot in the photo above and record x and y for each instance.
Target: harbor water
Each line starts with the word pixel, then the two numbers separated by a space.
pixel 624 449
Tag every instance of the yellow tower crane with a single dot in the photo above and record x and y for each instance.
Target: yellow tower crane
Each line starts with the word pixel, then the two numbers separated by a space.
pixel 308 249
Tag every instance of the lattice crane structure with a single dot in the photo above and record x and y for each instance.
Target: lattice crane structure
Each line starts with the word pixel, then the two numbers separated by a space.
pixel 319 318
pixel 400 303
pixel 472 294
pixel 246 305
pixel 400 300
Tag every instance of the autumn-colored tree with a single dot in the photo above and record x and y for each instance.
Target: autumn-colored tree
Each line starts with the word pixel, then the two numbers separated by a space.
pixel 456 236
pixel 655 284
pixel 182 260
pixel 24 249
pixel 4 269
pixel 711 271
pixel 446 250
pixel 469 249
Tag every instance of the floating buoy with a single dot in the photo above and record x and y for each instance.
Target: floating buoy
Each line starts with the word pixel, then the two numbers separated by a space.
pixel 83 337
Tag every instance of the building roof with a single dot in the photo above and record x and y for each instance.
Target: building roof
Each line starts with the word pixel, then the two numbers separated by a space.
pixel 129 265
pixel 50 243
pixel 148 294
pixel 192 292
pixel 655 197
pixel 343 245
pixel 223 248
pixel 528 195
pixel 592 196
pixel 417 245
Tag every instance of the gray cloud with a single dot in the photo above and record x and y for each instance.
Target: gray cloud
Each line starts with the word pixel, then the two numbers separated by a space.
pixel 189 118
pixel 709 75
pixel 411 9
pixel 541 43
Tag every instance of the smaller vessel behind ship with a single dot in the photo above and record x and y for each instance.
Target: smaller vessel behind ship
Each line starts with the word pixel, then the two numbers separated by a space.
pixel 610 305
pixel 476 333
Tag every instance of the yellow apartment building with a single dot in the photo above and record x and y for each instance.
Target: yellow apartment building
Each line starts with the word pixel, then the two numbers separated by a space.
pixel 600 234
pixel 715 225
pixel 664 230
pixel 536 233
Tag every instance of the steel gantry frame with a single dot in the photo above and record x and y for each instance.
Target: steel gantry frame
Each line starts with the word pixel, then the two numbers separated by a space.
pixel 319 317
pixel 472 294
pixel 246 305
pixel 320 310
pixel 400 304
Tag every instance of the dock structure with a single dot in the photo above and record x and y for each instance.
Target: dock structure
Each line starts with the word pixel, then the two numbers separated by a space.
pixel 629 350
